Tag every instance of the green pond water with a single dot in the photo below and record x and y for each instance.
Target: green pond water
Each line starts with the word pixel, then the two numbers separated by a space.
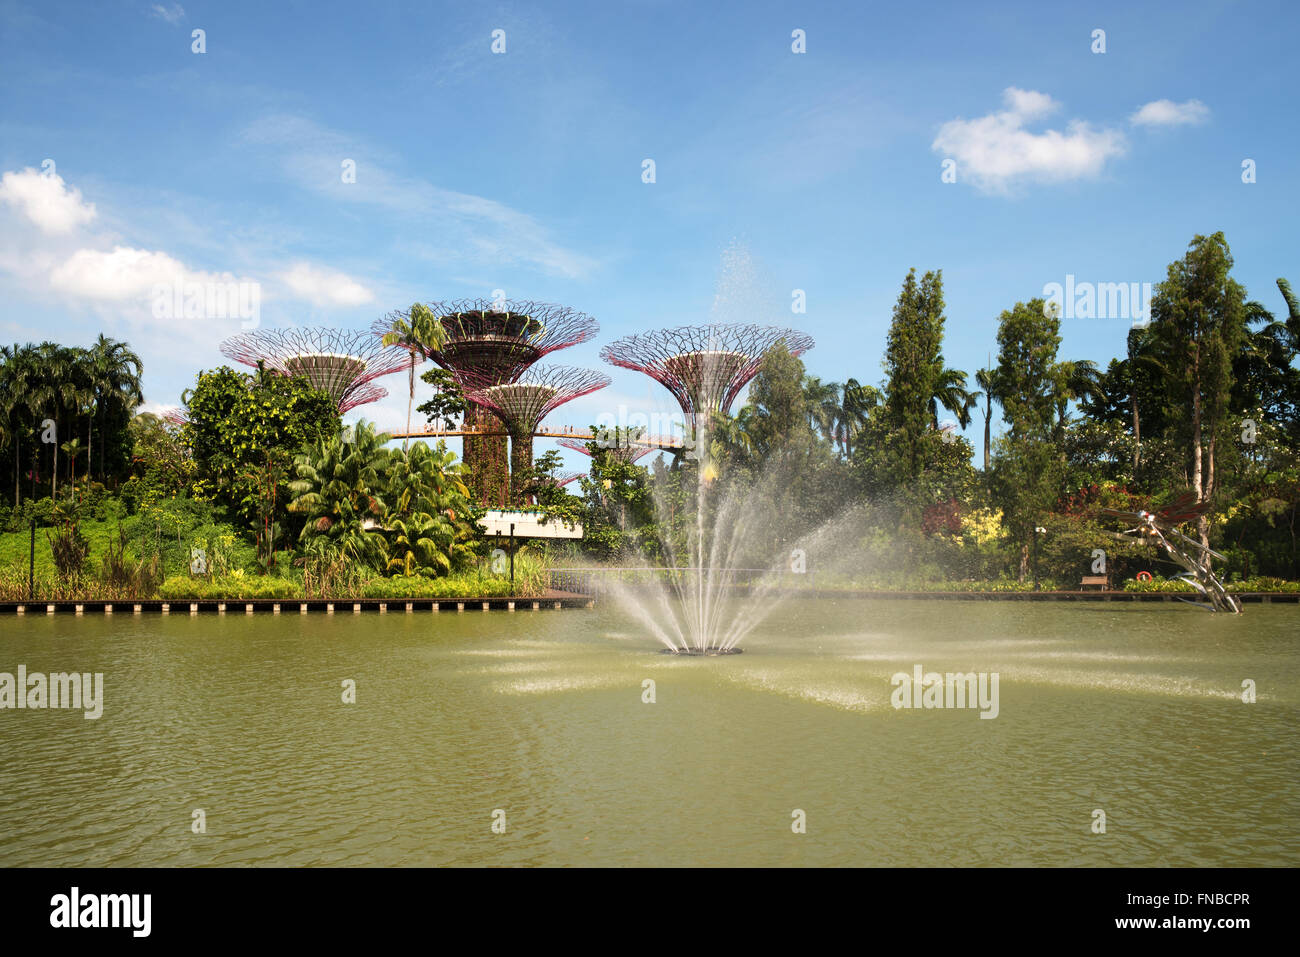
pixel 1133 710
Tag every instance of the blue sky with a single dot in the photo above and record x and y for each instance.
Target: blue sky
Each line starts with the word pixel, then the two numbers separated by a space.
pixel 522 171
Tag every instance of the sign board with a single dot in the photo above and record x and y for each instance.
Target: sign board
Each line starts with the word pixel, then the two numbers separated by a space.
pixel 527 525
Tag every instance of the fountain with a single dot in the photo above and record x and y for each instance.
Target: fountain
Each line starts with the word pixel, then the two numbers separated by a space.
pixel 702 607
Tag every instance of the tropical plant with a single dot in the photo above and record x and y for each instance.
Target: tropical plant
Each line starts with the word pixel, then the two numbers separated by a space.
pixel 430 516
pixel 418 332
pixel 338 492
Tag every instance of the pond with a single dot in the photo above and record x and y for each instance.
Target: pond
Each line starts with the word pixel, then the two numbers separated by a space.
pixel 541 723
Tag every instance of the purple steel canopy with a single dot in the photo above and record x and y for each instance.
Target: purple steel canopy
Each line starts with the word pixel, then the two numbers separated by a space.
pixel 628 453
pixel 491 340
pixel 535 393
pixel 339 362
pixel 704 367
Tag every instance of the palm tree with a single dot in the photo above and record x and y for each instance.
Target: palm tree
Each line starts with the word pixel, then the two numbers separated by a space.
pixel 72 449
pixel 1075 380
pixel 419 334
pixel 52 390
pixel 16 368
pixel 738 433
pixel 950 392
pixel 429 511
pixel 856 403
pixel 338 491
pixel 823 399
pixel 984 378
pixel 115 372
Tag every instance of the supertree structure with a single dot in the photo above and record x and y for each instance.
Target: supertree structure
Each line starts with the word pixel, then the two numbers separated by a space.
pixel 704 367
pixel 568 477
pixel 491 342
pixel 178 417
pixel 623 452
pixel 522 403
pixel 343 363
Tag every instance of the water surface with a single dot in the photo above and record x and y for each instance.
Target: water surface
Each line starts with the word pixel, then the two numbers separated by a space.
pixel 1134 710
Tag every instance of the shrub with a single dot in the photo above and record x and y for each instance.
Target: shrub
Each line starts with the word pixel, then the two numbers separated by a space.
pixel 232 586
pixel 70 550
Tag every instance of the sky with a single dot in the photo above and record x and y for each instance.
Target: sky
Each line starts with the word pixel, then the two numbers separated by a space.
pixel 820 149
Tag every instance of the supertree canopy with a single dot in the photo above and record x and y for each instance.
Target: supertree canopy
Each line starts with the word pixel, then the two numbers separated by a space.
pixel 177 416
pixel 522 404
pixel 624 453
pixel 496 339
pixel 704 367
pixel 340 362
pixel 491 342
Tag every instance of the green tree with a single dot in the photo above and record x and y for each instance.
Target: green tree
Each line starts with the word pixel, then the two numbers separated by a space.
pixel 244 431
pixel 339 494
pixel 430 515
pixel 1075 379
pixel 857 401
pixel 1027 467
pixel 914 366
pixel 418 332
pixel 984 379
pixel 448 403
pixel 1199 318
pixel 115 378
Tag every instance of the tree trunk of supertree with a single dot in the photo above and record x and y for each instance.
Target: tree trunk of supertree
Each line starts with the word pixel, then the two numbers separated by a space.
pixel 486 458
pixel 521 461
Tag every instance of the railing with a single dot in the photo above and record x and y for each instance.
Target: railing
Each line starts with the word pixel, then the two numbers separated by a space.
pixel 600 581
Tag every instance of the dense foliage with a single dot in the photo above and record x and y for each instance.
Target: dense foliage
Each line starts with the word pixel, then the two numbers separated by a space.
pixel 1206 398
pixel 64 413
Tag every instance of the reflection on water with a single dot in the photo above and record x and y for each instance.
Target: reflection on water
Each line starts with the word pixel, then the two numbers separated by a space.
pixel 1135 710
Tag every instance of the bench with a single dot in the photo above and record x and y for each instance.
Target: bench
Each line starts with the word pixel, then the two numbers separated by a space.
pixel 1101 580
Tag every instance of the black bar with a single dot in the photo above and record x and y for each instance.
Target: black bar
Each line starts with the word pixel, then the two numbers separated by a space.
pixel 994 906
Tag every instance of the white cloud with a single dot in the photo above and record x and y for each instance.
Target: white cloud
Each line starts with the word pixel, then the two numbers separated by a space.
pixel 476 229
pixel 1169 113
pixel 46 200
pixel 172 14
pixel 126 274
pixel 116 276
pixel 996 150
pixel 324 287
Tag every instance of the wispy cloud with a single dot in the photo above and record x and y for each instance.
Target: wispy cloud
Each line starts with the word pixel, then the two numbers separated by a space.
pixel 172 13
pixel 996 151
pixel 1169 113
pixel 55 246
pixel 471 228
pixel 325 287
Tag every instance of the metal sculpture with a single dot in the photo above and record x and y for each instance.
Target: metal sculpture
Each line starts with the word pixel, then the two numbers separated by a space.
pixel 491 342
pixel 523 403
pixel 1159 527
pixel 340 362
pixel 623 452
pixel 704 367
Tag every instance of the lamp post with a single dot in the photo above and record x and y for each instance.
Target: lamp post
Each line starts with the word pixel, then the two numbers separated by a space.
pixel 1038 530
pixel 31 563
